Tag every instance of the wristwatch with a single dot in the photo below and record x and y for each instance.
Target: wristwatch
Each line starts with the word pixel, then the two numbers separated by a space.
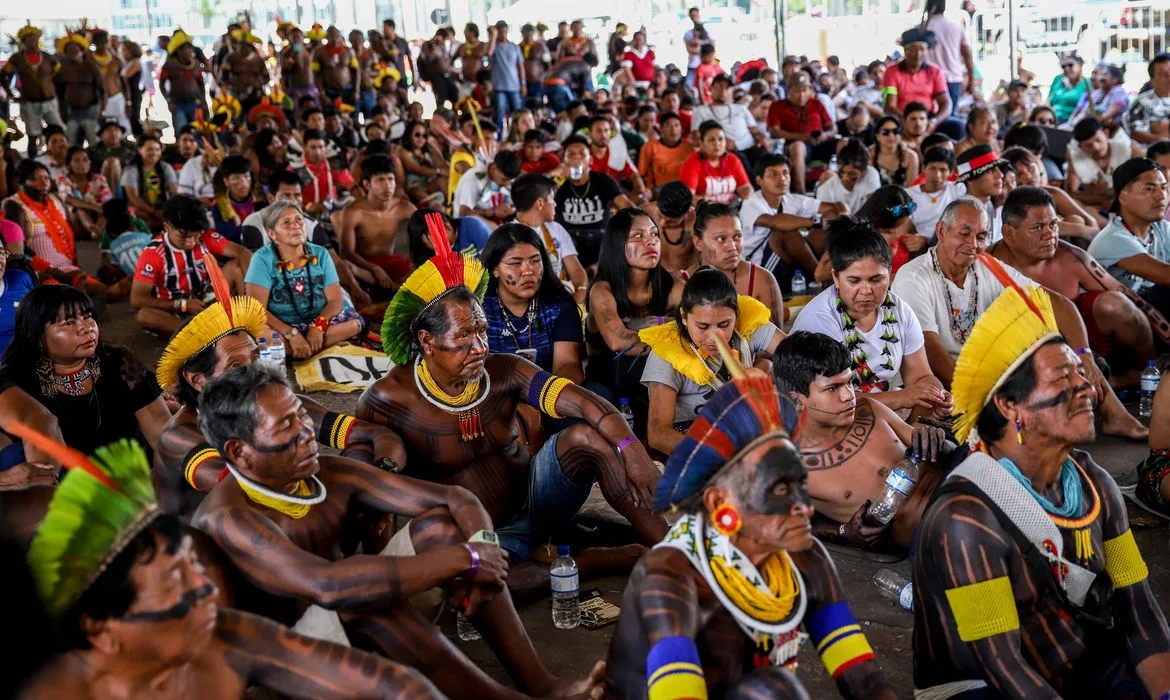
pixel 485 536
pixel 387 464
pixel 818 221
pixel 293 330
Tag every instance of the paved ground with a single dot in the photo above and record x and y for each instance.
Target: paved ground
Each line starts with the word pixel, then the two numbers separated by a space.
pixel 574 651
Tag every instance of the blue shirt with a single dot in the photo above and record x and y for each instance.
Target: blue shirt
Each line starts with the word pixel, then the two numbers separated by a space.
pixel 505 68
pixel 473 235
pixel 17 283
pixel 126 248
pixel 294 296
pixel 1115 243
pixel 557 321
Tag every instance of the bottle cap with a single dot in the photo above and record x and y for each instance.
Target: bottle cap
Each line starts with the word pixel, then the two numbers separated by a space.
pixel 563 550
pixel 262 340
pixel 1151 363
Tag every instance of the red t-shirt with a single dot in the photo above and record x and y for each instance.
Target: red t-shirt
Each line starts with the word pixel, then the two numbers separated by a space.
pixel 915 87
pixel 642 68
pixel 601 164
pixel 807 119
pixel 175 273
pixel 715 184
pixel 547 162
pixel 321 183
pixel 704 74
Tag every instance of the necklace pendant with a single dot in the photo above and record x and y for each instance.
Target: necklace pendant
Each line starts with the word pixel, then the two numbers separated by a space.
pixel 299 287
pixel 470 425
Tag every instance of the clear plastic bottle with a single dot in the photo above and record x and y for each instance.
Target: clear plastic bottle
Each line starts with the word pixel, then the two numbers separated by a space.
pixel 466 631
pixel 899 485
pixel 627 412
pixel 265 351
pixel 566 589
pixel 1150 380
pixel 799 286
pixel 893 586
pixel 833 163
pixel 276 347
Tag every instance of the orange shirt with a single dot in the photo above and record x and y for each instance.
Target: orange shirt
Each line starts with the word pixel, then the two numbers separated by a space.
pixel 659 165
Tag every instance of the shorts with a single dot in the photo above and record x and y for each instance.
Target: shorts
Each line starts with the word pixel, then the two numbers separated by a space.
pixel 1150 472
pixel 397 266
pixel 1099 342
pixel 553 500
pixel 34 113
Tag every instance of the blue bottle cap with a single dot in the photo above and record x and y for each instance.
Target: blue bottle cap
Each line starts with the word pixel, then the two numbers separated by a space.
pixel 563 550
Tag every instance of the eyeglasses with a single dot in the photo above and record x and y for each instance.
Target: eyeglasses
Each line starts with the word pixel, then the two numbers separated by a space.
pixel 899 210
pixel 889 132
pixel 1068 66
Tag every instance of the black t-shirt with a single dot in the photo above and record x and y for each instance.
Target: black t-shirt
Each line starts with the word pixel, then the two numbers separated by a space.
pixel 866 135
pixel 105 414
pixel 584 212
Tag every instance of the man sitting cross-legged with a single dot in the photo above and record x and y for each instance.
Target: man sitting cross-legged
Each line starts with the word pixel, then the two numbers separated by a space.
pixel 849 446
pixel 716 609
pixel 282 516
pixel 1117 319
pixel 139 616
pixel 455 407
pixel 218 339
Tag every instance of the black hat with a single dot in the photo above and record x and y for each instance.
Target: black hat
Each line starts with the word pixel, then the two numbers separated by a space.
pixel 976 161
pixel 1126 173
pixel 107 123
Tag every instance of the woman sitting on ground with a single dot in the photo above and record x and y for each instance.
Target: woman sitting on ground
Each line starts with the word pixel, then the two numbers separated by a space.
pixel 426 171
pixel 896 163
pixel 630 291
pixel 718 239
pixel 148 182
pixel 83 191
pixel 712 173
pixel 298 283
pixel 982 130
pixel 529 311
pixel 880 330
pixel 99 393
pixel 684 368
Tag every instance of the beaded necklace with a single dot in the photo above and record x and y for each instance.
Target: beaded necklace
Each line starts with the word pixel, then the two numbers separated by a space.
pixel 1072 515
pixel 465 406
pixel 960 331
pixel 863 376
pixel 511 329
pixel 72 384
pixel 295 505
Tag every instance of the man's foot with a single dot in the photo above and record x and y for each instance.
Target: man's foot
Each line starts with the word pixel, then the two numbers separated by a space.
pixel 590 686
pixel 1123 424
pixel 604 560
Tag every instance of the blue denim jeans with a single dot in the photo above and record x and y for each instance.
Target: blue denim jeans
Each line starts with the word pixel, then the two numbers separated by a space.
pixel 83 124
pixel 184 114
pixel 504 102
pixel 559 96
pixel 553 500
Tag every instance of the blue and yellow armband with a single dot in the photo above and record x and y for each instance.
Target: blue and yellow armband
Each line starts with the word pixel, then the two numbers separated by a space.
pixel 838 638
pixel 544 391
pixel 335 429
pixel 673 671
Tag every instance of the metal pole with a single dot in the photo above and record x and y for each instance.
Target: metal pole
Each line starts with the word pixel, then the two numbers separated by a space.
pixel 1011 39
pixel 149 24
pixel 780 6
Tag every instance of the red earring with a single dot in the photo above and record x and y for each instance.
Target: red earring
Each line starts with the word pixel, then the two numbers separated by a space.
pixel 726 520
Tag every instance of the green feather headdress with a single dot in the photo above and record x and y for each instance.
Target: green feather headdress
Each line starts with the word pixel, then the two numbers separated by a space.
pixel 445 271
pixel 100 507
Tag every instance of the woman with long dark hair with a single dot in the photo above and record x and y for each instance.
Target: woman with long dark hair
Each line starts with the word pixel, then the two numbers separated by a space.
pixel 718 240
pixel 149 182
pixel 888 210
pixel 630 291
pixel 982 130
pixel 426 171
pixel 132 72
pixel 84 192
pixel 529 311
pixel 99 393
pixel 269 154
pixel 896 164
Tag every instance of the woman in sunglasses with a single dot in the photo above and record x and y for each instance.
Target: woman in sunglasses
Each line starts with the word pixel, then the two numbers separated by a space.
pixel 1068 87
pixel 896 164
pixel 1042 115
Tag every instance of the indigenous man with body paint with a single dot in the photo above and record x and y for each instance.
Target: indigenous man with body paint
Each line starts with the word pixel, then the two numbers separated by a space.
pixel 220 338
pixel 455 406
pixel 715 610
pixel 1027 580
pixel 139 616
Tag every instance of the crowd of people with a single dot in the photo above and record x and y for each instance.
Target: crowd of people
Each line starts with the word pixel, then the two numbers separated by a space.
pixel 807 286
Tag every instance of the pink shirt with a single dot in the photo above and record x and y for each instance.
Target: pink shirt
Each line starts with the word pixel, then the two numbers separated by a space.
pixel 921 86
pixel 946 52
pixel 10 231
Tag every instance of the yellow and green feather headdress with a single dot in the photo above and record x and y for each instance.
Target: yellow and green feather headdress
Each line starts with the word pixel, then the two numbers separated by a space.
pixel 227 315
pixel 100 506
pixel 445 271
pixel 666 340
pixel 1006 335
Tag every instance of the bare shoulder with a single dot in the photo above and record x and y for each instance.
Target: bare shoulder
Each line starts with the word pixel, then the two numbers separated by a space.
pixel 63 677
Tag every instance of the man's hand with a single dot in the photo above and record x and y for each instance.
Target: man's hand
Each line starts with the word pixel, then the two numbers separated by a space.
pixel 641 474
pixel 489 578
pixel 928 442
pixel 28 474
pixel 194 306
pixel 857 532
pixel 502 211
pixel 382 278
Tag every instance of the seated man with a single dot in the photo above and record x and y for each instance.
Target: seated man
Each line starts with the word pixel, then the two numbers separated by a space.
pixel 140 616
pixel 368 228
pixel 216 340
pixel 674 214
pixel 283 514
pixel 486 192
pixel 1135 246
pixel 691 622
pixel 850 446
pixel 325 188
pixel 1091 160
pixel 171 281
pixel 455 405
pixel 1115 316
pixel 947 312
pixel 1018 596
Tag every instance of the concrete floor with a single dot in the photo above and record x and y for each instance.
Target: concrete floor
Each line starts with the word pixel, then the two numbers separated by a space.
pixel 573 652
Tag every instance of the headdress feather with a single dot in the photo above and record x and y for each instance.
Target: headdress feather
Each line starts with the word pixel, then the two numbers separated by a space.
pixel 666 340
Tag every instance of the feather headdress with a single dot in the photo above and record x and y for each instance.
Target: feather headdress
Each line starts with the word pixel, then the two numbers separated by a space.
pixel 1006 335
pixel 316 32
pixel 100 506
pixel 178 40
pixel 740 414
pixel 27 30
pixel 386 72
pixel 225 109
pixel 72 37
pixel 269 105
pixel 227 315
pixel 445 271
pixel 666 340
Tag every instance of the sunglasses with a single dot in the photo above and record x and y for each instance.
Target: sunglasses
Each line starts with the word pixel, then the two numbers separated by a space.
pixel 889 132
pixel 1068 66
pixel 900 210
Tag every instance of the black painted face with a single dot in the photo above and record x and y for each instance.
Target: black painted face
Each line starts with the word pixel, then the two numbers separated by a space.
pixel 780 481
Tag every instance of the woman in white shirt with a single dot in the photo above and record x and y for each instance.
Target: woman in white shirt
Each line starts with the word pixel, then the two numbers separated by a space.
pixel 854 181
pixel 880 330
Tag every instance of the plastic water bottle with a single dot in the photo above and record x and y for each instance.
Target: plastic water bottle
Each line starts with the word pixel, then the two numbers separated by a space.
pixel 627 412
pixel 899 485
pixel 833 164
pixel 799 286
pixel 893 586
pixel 1150 379
pixel 265 352
pixel 465 630
pixel 566 587
pixel 276 347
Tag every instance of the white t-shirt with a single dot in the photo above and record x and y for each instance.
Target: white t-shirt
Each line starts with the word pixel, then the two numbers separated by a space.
pixel 755 238
pixel 192 181
pixel 930 206
pixel 922 289
pixel 469 189
pixel 562 243
pixel 734 118
pixel 832 190
pixel 950 38
pixel 821 316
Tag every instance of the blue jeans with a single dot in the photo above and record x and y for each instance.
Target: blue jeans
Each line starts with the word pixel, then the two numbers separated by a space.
pixel 83 124
pixel 536 91
pixel 559 96
pixel 367 101
pixel 553 500
pixel 504 102
pixel 183 114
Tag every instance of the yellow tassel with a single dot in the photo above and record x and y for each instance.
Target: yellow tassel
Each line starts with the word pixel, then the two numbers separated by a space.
pixel 1084 542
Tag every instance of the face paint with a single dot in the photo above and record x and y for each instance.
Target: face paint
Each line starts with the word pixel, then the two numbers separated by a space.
pixel 779 465
pixel 1058 400
pixel 177 611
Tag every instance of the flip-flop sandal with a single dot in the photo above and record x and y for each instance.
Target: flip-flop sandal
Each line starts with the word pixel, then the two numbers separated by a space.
pixel 881 556
pixel 1130 495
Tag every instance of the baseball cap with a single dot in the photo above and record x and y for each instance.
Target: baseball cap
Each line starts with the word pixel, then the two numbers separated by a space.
pixel 107 123
pixel 1126 173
